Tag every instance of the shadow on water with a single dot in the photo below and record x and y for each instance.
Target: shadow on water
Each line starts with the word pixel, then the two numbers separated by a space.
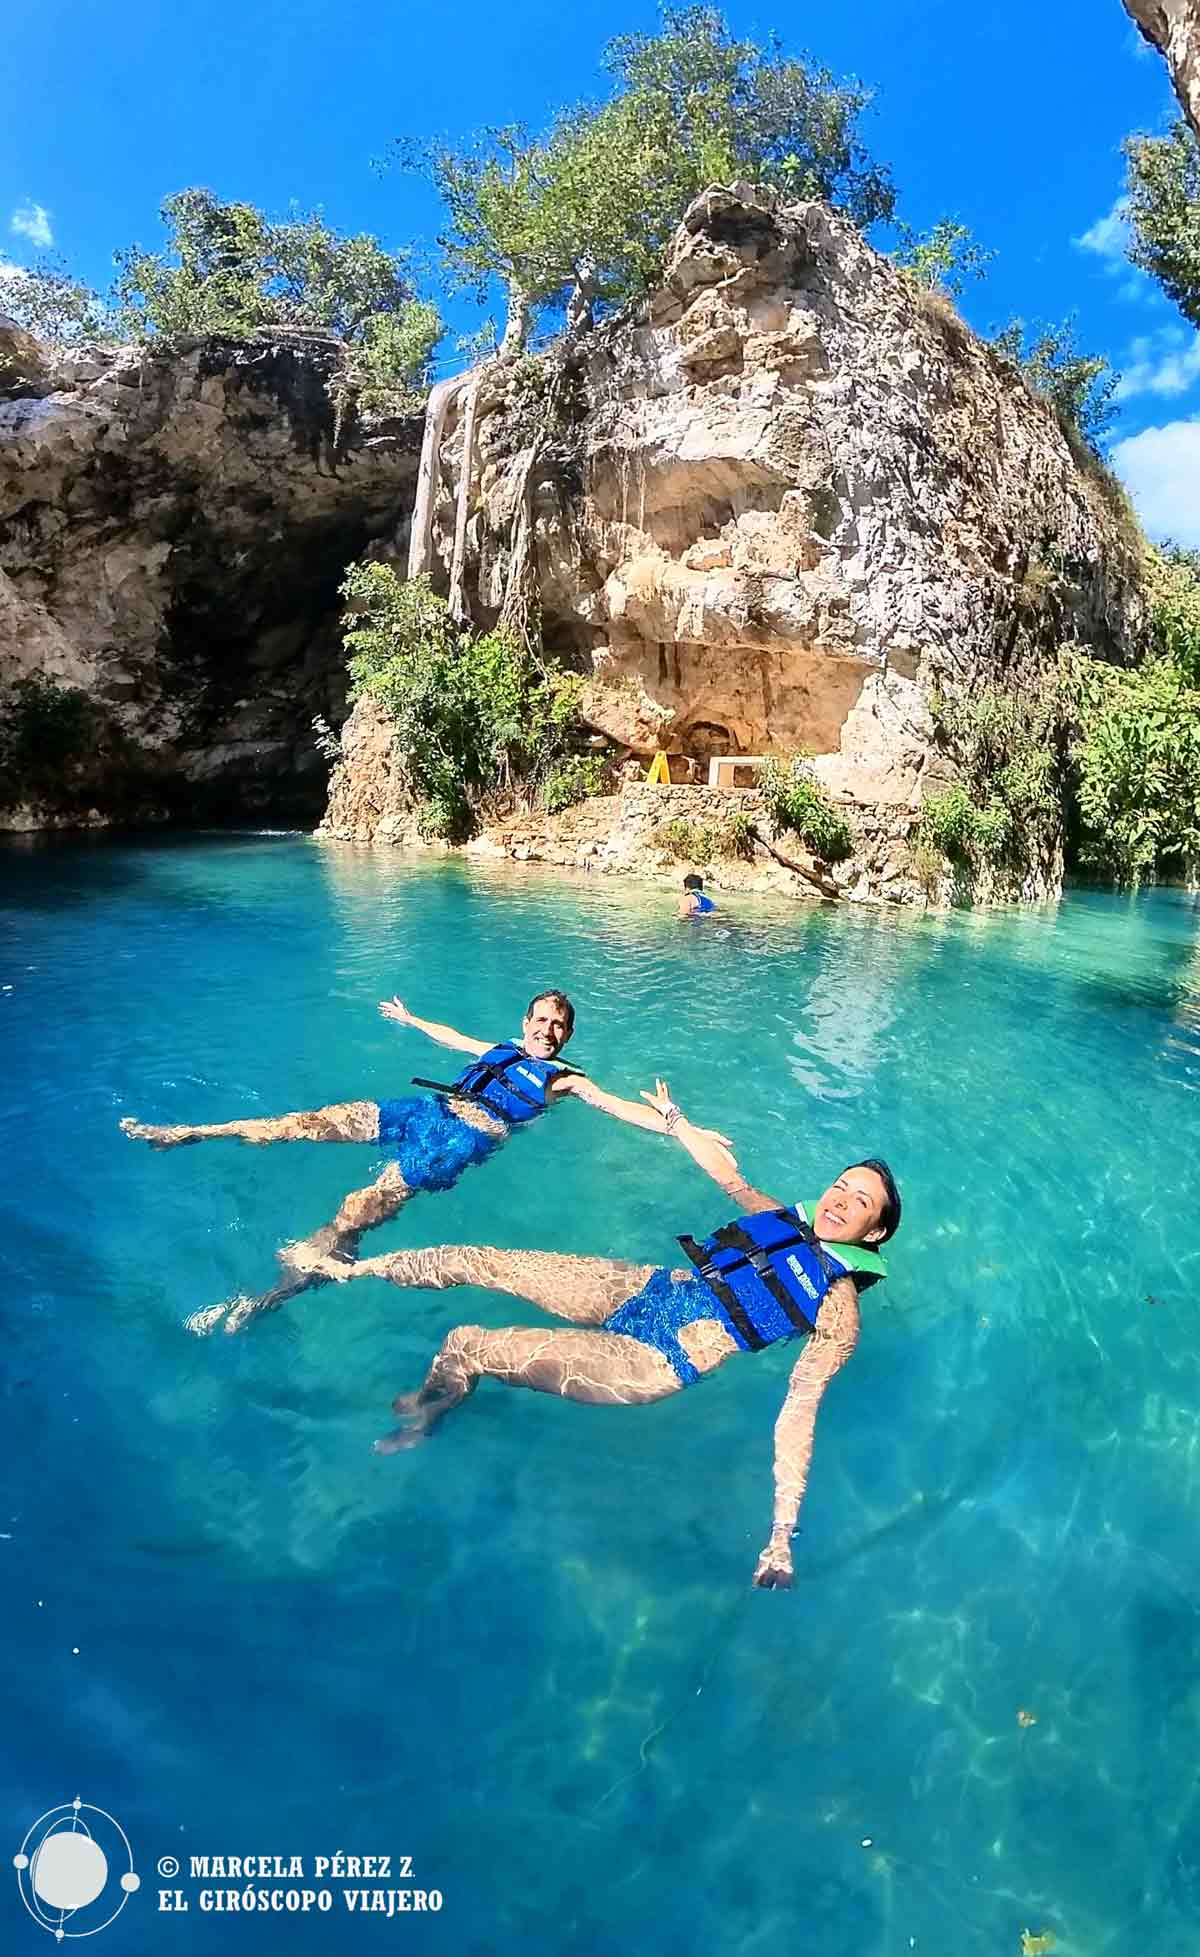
pixel 48 871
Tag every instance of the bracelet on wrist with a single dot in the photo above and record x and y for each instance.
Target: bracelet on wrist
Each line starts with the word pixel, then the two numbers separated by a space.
pixel 671 1116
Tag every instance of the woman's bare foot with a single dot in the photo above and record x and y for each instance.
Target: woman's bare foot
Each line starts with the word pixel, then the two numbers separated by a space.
pixel 158 1137
pixel 201 1323
pixel 418 1417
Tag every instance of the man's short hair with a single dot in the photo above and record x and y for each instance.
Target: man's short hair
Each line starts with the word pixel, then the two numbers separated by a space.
pixel 692 881
pixel 891 1204
pixel 558 999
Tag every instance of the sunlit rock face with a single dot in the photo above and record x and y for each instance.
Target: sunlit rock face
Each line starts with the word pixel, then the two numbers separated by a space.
pixel 792 498
pixel 173 530
pixel 1173 26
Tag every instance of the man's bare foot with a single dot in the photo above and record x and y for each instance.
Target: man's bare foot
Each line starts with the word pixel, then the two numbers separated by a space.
pixel 158 1137
pixel 313 1260
pixel 202 1322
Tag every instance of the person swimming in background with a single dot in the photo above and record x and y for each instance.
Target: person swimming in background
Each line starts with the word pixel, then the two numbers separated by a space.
pixel 642 1332
pixel 694 903
pixel 432 1137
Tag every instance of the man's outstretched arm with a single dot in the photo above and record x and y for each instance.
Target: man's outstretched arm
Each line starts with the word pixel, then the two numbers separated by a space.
pixel 396 1010
pixel 650 1118
pixel 710 1151
pixel 828 1349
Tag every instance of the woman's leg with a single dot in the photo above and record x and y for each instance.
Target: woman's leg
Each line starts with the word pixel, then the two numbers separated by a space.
pixel 343 1121
pixel 601 1368
pixel 583 1289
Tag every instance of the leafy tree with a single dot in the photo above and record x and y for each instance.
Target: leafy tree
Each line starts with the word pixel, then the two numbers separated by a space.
pixel 470 714
pixel 55 307
pixel 227 268
pixel 1163 188
pixel 583 214
pixel 943 258
pixel 1137 756
pixel 1079 386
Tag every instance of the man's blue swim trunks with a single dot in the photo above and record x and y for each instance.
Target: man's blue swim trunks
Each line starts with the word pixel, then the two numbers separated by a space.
pixel 431 1146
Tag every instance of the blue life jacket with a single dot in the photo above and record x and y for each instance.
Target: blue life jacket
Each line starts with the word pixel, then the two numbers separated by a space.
pixel 771 1273
pixel 703 904
pixel 506 1081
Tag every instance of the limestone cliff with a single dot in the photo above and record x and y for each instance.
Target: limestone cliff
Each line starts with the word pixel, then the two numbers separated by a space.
pixel 173 529
pixel 778 507
pixel 1173 27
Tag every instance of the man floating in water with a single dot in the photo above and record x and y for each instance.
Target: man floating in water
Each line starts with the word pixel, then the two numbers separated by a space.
pixel 433 1138
pixel 774 1273
pixel 694 903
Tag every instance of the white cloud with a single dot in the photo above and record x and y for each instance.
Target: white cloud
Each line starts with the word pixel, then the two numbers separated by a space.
pixel 1108 237
pixel 1167 362
pixel 11 274
pixel 1161 470
pixel 32 221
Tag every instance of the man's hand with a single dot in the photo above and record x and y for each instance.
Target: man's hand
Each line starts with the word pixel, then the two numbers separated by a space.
pixel 397 1010
pixel 663 1105
pixel 774 1570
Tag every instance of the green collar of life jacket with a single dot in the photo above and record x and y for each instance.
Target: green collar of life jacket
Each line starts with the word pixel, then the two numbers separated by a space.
pixel 859 1257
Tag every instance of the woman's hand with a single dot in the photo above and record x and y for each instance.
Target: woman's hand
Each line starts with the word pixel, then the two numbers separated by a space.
pixel 774 1571
pixel 672 1115
pixel 661 1101
pixel 397 1010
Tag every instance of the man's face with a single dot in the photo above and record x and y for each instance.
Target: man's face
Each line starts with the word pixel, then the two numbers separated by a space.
pixel 851 1212
pixel 544 1031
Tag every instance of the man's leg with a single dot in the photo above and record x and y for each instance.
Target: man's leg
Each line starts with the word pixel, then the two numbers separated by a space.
pixel 362 1209
pixel 583 1289
pixel 601 1368
pixel 344 1121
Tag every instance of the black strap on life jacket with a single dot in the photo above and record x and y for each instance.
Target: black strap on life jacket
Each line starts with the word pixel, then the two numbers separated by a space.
pixel 734 1237
pixel 493 1072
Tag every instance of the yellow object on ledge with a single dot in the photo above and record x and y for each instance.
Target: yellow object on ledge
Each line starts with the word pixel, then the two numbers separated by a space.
pixel 660 770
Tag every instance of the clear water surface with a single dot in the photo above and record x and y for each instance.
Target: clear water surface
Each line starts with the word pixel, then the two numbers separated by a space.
pixel 528 1655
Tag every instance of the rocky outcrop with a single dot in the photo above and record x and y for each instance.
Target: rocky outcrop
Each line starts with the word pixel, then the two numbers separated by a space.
pixel 1173 27
pixel 781 507
pixel 173 531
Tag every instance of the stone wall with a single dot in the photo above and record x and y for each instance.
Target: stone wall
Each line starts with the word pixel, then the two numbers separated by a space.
pixel 173 530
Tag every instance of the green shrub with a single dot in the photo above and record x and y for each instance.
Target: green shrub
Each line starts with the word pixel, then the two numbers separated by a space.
pixel 1008 808
pixel 1136 756
pixel 471 714
pixel 60 747
pixel 573 780
pixel 795 802
pixel 707 842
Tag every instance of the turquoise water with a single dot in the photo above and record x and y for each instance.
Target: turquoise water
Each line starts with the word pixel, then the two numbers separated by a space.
pixel 528 1655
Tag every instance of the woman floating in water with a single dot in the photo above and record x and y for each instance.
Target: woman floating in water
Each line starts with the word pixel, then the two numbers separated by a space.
pixel 774 1273
pixel 432 1139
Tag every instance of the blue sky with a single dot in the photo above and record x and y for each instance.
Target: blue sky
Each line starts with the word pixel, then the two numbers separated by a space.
pixel 1008 117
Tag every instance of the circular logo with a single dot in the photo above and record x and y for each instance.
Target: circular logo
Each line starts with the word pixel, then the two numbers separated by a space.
pixel 75 1870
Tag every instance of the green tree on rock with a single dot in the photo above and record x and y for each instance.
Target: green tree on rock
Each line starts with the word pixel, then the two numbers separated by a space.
pixel 1163 189
pixel 53 305
pixel 581 216
pixel 227 268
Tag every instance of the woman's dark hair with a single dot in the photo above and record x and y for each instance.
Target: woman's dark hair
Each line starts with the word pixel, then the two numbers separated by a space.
pixel 692 881
pixel 891 1205
pixel 558 999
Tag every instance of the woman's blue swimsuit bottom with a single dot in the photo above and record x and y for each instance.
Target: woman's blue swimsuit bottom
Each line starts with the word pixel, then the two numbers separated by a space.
pixel 431 1146
pixel 661 1309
